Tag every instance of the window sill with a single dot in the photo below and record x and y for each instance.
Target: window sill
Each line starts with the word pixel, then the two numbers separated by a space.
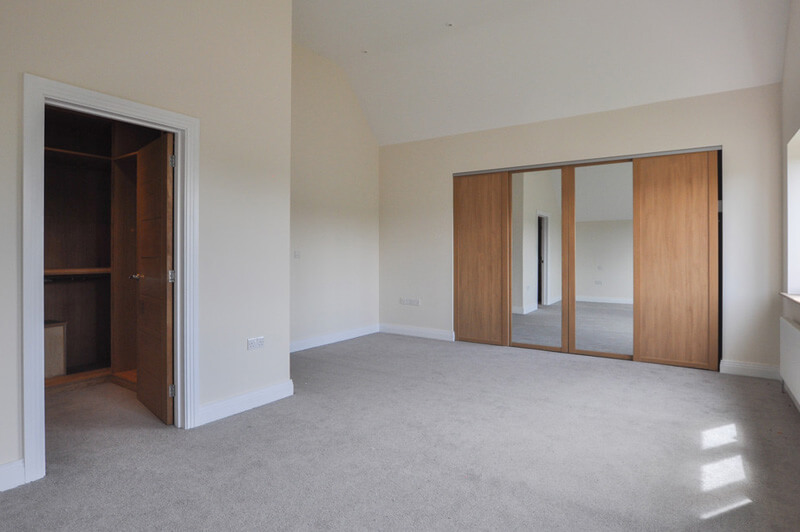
pixel 792 297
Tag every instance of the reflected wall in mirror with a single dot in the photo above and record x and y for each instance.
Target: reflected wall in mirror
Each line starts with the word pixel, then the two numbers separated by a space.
pixel 536 258
pixel 604 258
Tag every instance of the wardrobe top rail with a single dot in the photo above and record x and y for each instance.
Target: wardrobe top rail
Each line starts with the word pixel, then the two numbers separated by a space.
pixel 583 162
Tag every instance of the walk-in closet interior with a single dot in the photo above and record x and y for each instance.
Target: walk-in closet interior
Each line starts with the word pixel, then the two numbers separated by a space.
pixel 108 254
pixel 616 258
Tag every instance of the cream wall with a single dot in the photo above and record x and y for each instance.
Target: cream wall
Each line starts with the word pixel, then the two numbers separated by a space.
pixel 226 63
pixel 604 233
pixel 604 255
pixel 334 206
pixel 534 194
pixel 790 362
pixel 416 201
pixel 790 126
pixel 518 235
pixel 542 197
pixel 791 75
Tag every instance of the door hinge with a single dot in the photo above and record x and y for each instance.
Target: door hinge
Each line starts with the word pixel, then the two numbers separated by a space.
pixel 171 390
pixel 171 276
pixel 172 161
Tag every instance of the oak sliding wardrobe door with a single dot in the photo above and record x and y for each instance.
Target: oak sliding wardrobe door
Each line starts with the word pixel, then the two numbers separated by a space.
pixel 481 257
pixel 676 284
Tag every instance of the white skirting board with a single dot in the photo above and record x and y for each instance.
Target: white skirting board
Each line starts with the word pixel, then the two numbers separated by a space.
pixel 12 475
pixel 790 359
pixel 405 330
pixel 241 403
pixel 420 332
pixel 750 369
pixel 332 338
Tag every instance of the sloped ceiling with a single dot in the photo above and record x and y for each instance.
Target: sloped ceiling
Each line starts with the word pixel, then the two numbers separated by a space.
pixel 430 68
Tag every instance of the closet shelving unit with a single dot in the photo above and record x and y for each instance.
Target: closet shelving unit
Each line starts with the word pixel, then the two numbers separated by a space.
pixel 90 242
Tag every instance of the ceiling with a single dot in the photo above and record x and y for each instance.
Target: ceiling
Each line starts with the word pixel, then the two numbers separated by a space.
pixel 430 68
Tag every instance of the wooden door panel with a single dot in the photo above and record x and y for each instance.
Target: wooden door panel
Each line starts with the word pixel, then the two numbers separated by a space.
pixel 154 260
pixel 150 311
pixel 149 210
pixel 150 376
pixel 150 343
pixel 123 265
pixel 150 239
pixel 675 256
pixel 481 263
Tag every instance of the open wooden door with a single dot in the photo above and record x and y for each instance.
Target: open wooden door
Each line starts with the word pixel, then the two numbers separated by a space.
pixel 154 262
pixel 676 273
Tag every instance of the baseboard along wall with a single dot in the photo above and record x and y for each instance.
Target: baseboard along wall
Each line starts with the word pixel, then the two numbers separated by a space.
pixel 241 403
pixel 750 369
pixel 325 339
pixel 12 475
pixel 420 332
pixel 389 328
pixel 618 300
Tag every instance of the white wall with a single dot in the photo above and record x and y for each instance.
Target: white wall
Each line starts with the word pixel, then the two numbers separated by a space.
pixel 791 75
pixel 416 201
pixel 228 64
pixel 535 194
pixel 334 214
pixel 543 197
pixel 790 127
pixel 790 364
pixel 604 233
pixel 604 261
pixel 517 242
pixel 532 197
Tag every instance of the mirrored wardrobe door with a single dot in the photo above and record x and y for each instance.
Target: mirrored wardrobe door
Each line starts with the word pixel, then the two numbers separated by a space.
pixel 538 313
pixel 603 266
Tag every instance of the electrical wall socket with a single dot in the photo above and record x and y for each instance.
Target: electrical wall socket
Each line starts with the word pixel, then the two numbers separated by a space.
pixel 255 343
pixel 412 301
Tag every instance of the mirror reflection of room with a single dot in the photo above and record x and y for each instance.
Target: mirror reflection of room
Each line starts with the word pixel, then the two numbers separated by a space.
pixel 536 258
pixel 604 258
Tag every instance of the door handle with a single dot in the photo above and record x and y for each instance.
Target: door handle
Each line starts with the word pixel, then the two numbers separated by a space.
pixel 136 276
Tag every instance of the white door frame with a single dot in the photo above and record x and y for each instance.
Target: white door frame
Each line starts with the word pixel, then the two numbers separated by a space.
pixel 39 92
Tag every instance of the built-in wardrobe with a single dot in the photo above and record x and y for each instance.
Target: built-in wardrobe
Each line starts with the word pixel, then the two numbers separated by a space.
pixel 108 255
pixel 616 258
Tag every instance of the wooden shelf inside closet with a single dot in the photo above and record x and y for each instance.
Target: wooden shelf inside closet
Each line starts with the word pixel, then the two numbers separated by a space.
pixel 56 272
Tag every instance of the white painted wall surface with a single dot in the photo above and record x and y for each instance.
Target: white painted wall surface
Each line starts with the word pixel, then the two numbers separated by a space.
pixel 334 206
pixel 543 197
pixel 790 359
pixel 535 194
pixel 791 75
pixel 228 64
pixel 417 217
pixel 604 255
pixel 604 233
pixel 517 242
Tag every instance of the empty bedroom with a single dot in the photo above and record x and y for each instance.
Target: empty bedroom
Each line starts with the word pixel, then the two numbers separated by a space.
pixel 392 265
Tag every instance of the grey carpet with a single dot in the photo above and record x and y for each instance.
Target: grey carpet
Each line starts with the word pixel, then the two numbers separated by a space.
pixel 603 327
pixel 395 433
pixel 539 327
